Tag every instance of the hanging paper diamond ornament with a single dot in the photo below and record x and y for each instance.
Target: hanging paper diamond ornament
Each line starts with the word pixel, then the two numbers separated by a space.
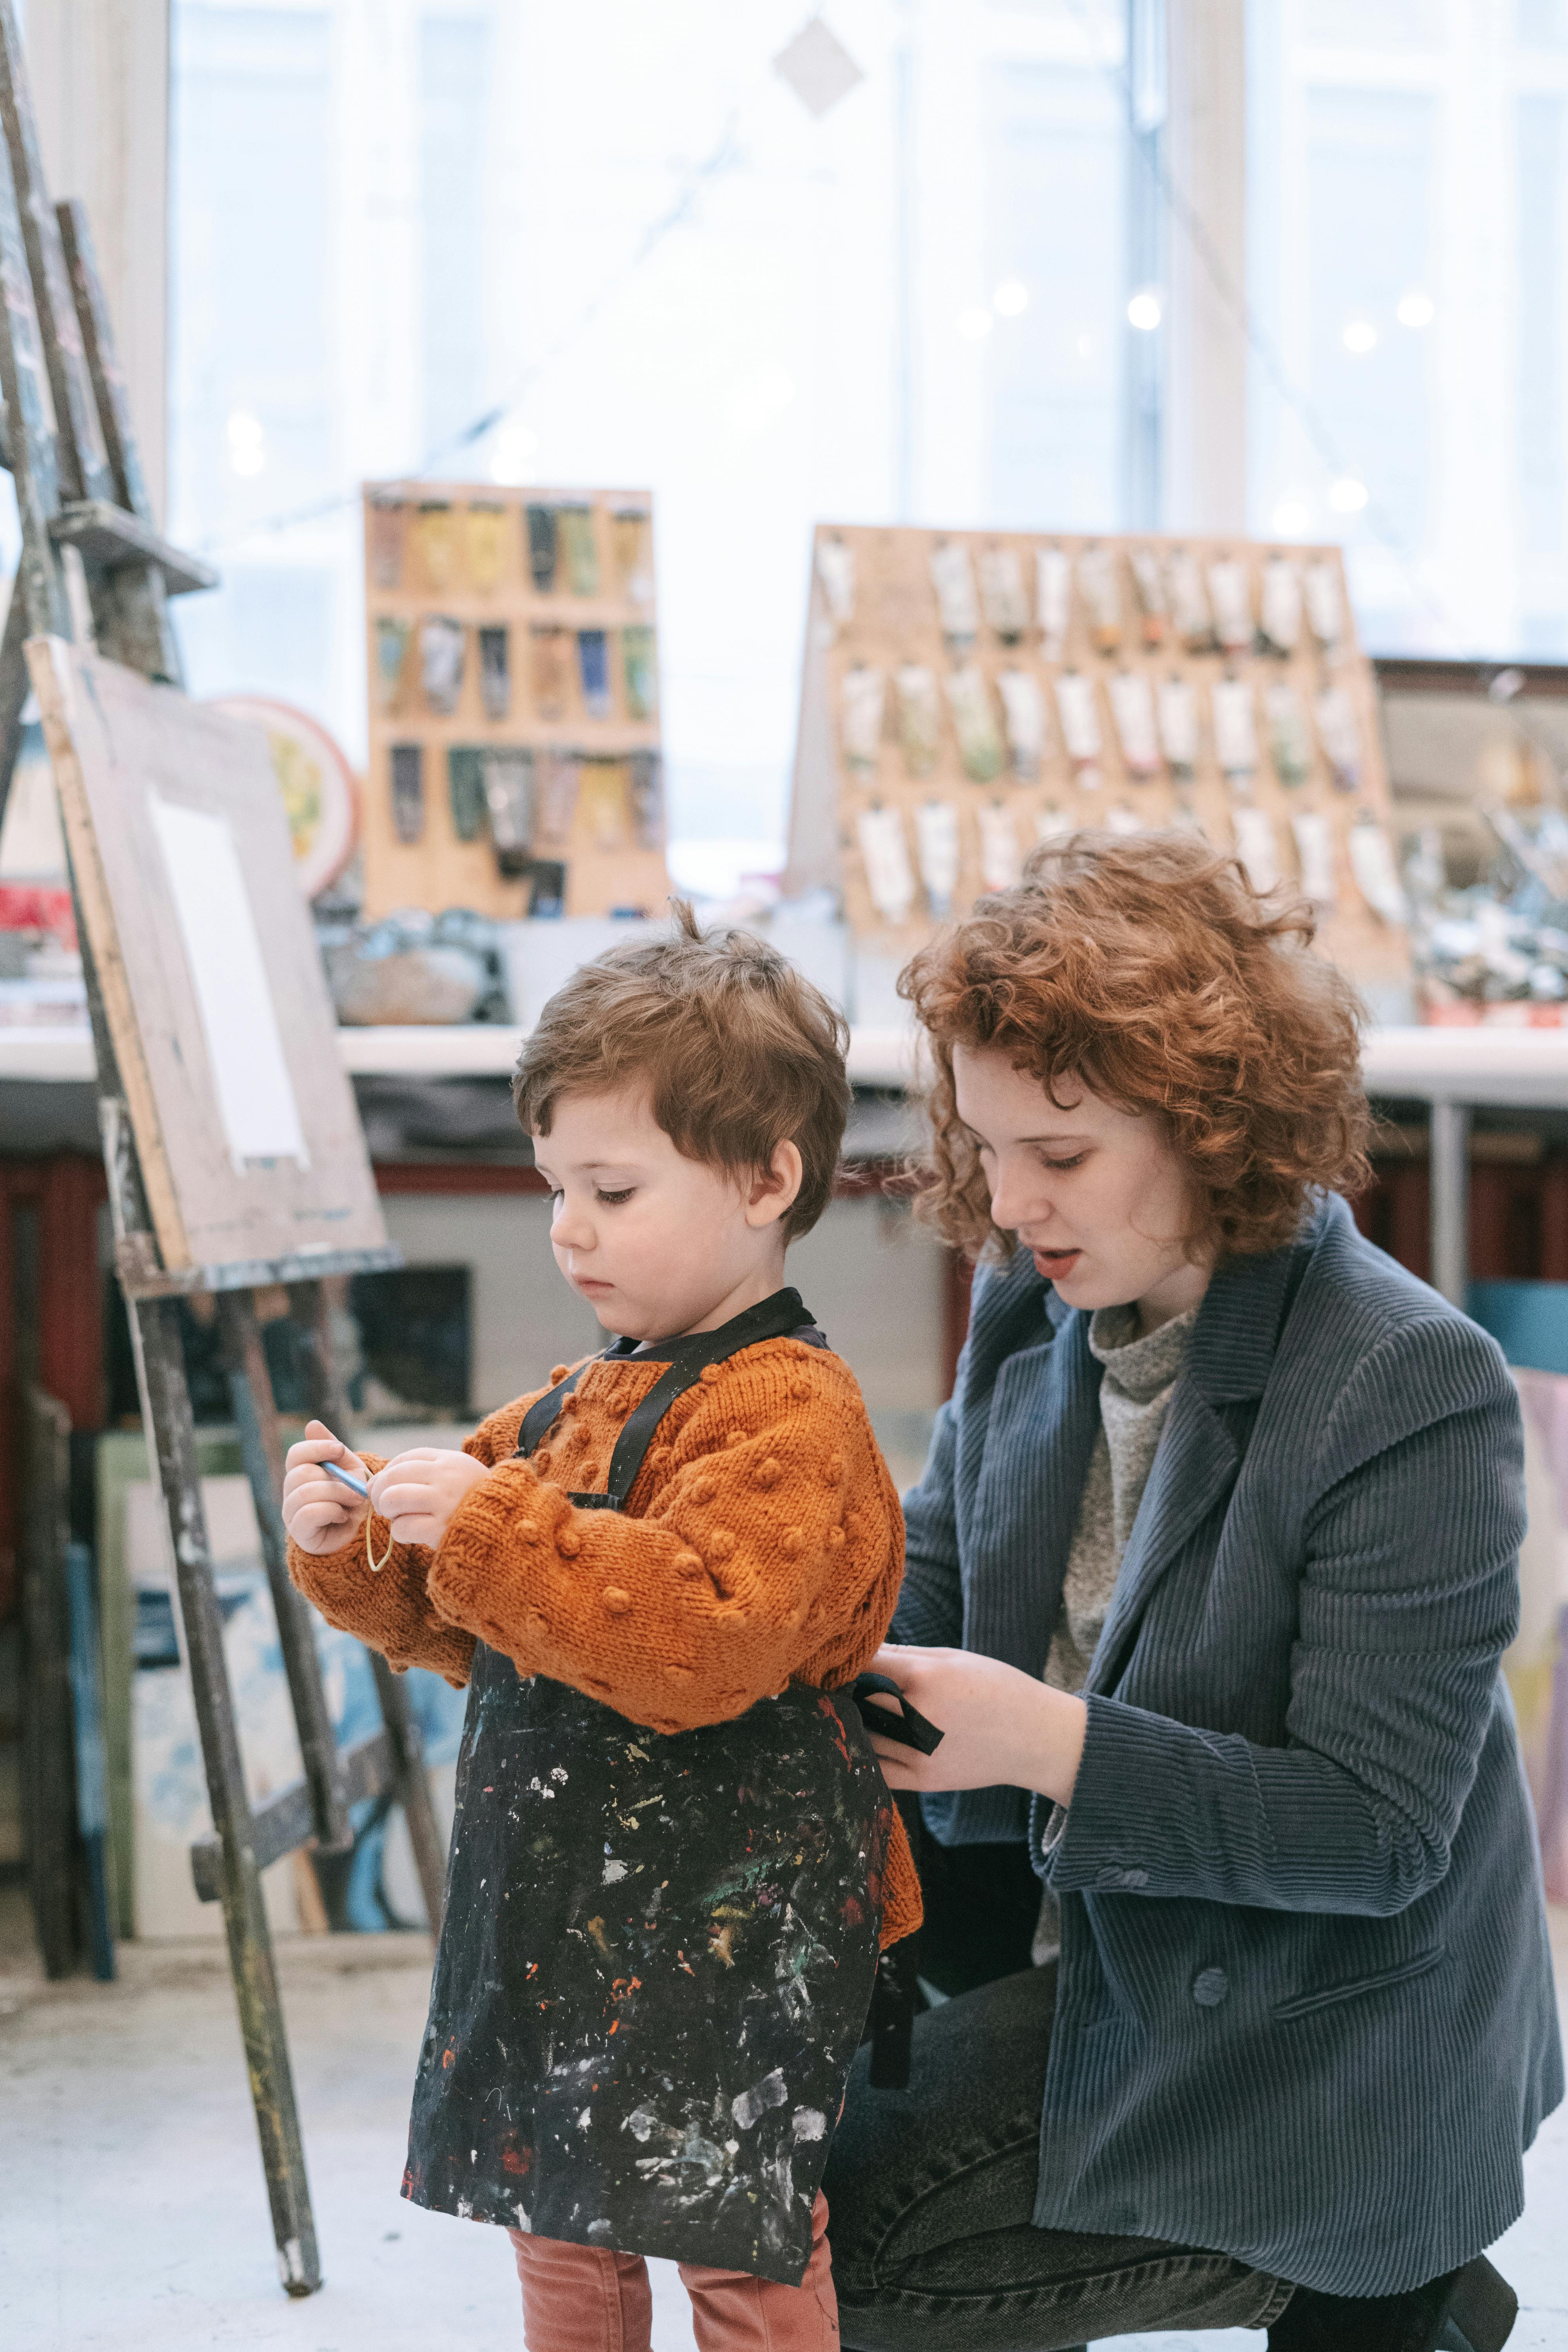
pixel 817 67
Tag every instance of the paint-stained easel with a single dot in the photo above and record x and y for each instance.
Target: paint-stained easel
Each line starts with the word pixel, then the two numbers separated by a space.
pixel 93 568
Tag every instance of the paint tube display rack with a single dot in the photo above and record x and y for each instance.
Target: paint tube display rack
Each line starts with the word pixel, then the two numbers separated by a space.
pixel 512 678
pixel 969 694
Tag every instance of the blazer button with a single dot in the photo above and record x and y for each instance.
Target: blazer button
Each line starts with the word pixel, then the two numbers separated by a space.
pixel 1210 1986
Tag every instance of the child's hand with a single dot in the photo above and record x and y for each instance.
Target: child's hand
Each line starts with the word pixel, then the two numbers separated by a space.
pixel 319 1515
pixel 419 1491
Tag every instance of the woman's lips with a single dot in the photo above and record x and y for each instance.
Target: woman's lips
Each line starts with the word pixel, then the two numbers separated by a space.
pixel 1054 1264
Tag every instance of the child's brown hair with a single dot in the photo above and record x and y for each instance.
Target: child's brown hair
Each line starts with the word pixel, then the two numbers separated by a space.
pixel 740 1052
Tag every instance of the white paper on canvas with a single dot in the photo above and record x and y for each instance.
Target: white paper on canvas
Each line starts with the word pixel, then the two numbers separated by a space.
pixel 250 1073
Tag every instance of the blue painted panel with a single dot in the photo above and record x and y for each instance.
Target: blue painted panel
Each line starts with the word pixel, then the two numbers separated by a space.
pixel 1528 1321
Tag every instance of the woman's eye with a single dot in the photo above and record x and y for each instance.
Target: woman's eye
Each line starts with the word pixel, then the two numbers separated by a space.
pixel 614 1199
pixel 1075 1161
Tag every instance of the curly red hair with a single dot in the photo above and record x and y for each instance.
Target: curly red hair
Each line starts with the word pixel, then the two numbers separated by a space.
pixel 1148 968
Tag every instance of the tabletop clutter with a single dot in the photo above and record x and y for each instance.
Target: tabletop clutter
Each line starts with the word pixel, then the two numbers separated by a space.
pixel 965 695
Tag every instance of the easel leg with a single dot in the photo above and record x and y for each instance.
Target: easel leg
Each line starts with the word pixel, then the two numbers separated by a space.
pixel 47 1762
pixel 14 687
pixel 250 1387
pixel 413 1786
pixel 131 611
pixel 167 1403
pixel 312 1314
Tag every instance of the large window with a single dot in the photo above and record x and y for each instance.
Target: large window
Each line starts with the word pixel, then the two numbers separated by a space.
pixel 1408 205
pixel 618 229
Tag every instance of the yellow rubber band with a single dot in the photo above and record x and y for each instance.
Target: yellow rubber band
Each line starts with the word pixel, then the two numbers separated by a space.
pixel 377 1565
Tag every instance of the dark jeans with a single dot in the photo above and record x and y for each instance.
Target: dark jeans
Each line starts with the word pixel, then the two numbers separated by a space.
pixel 931 2190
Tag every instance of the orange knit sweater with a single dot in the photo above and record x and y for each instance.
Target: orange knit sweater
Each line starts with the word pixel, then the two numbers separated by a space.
pixel 761 1545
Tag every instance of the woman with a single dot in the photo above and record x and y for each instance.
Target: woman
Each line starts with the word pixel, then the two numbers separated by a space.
pixel 1209 1575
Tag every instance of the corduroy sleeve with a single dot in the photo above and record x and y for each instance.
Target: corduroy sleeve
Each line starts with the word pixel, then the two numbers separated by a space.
pixel 930 1613
pixel 392 1610
pixel 772 1546
pixel 1409 1596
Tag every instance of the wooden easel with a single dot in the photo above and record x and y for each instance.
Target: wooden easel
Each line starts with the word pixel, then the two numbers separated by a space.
pixel 93 565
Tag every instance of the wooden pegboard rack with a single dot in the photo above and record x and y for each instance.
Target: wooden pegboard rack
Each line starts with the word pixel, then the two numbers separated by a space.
pixel 876 612
pixel 520 622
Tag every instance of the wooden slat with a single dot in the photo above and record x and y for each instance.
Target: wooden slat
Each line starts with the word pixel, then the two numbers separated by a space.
pixel 168 1405
pixel 110 540
pixel 261 1444
pixel 48 1765
pixel 84 471
pixel 284 1823
pixel 29 413
pixel 141 1277
pixel 329 1402
pixel 132 599
pixel 113 399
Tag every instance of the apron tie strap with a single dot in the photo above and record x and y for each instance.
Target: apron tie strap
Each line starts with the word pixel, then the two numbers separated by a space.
pixel 909 1727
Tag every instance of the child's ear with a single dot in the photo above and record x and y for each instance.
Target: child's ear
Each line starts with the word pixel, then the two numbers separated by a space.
pixel 772 1190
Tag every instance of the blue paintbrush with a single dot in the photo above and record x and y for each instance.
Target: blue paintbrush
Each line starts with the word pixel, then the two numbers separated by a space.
pixel 347 1478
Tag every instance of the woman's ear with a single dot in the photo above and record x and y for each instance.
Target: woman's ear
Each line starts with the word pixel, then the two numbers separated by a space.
pixel 772 1190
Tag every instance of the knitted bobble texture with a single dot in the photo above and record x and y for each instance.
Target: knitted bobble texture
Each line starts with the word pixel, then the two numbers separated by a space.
pixel 761 1545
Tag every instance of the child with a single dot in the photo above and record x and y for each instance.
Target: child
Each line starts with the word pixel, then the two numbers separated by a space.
pixel 674 1858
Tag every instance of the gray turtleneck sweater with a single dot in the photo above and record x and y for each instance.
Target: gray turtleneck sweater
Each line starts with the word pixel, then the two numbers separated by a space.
pixel 1135 1397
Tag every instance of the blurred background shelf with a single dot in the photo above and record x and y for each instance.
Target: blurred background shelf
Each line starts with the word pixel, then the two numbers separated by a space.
pixel 1479 1064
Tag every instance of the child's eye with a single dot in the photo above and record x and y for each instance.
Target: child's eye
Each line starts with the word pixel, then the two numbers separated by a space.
pixel 614 1199
pixel 1075 1161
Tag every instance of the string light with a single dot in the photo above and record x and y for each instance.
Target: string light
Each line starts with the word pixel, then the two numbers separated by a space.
pixel 724 157
pixel 1181 209
pixel 515 445
pixel 1415 310
pixel 246 442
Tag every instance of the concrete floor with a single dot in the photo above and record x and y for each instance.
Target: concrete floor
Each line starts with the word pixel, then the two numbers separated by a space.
pixel 131 2208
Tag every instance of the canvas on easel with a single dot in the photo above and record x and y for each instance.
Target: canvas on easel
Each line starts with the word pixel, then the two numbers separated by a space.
pixel 245 1122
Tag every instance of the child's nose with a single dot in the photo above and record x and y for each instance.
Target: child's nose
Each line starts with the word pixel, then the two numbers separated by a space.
pixel 571 1229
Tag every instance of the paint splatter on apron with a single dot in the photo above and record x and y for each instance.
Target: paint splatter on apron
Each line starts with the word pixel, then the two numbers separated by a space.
pixel 658 1950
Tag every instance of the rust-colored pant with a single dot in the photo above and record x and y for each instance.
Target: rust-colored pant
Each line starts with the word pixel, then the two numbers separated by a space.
pixel 585 2299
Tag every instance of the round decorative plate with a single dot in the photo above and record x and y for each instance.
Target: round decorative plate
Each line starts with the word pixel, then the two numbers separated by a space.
pixel 320 791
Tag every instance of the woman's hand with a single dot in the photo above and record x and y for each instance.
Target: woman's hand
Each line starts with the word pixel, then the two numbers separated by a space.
pixel 419 1491
pixel 319 1515
pixel 1002 1728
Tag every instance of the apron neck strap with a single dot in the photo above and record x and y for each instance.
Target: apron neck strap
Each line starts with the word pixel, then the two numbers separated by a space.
pixel 686 1359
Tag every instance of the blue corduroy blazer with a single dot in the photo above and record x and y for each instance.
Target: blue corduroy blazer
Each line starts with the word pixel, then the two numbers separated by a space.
pixel 1305 2008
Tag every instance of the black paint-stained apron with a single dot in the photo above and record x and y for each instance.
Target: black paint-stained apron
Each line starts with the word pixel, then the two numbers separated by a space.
pixel 658 1950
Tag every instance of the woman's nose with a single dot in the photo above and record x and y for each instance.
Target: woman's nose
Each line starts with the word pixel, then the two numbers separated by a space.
pixel 1016 1202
